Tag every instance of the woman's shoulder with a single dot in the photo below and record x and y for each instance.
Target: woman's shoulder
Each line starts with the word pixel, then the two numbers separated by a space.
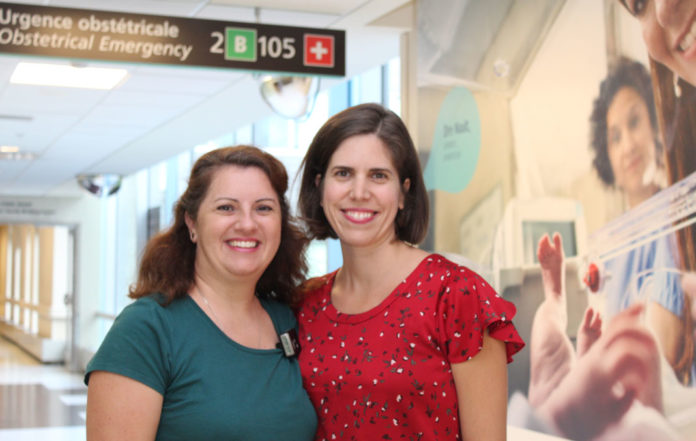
pixel 437 263
pixel 449 270
pixel 152 307
pixel 317 284
pixel 313 290
pixel 281 314
pixel 276 307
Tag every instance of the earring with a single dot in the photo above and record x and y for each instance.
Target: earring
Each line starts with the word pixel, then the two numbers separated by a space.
pixel 677 87
pixel 193 236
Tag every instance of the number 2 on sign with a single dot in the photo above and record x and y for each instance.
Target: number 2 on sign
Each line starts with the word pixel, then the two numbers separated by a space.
pixel 219 45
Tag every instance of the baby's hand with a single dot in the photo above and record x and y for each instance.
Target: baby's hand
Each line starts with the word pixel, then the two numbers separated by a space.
pixel 589 330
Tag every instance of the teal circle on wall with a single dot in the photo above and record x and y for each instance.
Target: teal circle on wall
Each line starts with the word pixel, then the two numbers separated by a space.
pixel 456 143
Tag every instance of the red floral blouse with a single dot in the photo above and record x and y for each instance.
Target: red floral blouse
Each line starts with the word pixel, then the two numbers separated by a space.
pixel 385 374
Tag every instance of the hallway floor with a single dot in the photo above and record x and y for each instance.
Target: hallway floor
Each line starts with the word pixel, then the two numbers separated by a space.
pixel 37 401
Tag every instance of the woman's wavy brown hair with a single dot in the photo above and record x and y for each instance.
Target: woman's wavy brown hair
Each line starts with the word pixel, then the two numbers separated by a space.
pixel 167 265
pixel 676 117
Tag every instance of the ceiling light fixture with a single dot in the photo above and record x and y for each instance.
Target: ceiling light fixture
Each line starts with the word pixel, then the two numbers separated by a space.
pixel 291 97
pixel 63 75
pixel 100 184
pixel 13 153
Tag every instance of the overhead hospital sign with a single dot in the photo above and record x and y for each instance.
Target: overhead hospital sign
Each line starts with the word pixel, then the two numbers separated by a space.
pixel 153 39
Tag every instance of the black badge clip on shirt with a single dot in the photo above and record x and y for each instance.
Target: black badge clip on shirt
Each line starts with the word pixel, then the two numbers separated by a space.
pixel 289 343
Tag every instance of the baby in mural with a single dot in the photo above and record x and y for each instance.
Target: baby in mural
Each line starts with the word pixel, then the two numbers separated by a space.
pixel 549 343
pixel 586 394
pixel 607 387
pixel 611 384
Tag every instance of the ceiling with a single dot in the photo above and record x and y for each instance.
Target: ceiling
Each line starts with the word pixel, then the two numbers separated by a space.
pixel 160 111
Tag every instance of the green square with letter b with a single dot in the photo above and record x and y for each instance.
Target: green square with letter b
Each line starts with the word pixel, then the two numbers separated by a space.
pixel 240 44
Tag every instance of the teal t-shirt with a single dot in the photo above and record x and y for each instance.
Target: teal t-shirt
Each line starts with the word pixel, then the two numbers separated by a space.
pixel 213 388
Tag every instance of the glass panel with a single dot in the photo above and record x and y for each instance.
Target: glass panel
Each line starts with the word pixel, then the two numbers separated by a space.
pixel 170 190
pixel 202 149
pixel 339 97
pixel 108 265
pixel 317 258
pixel 9 276
pixel 127 252
pixel 29 234
pixel 367 88
pixel 245 135
pixel 309 127
pixel 157 183
pixel 393 85
pixel 184 163
pixel 35 269
pixel 274 132
pixel 34 329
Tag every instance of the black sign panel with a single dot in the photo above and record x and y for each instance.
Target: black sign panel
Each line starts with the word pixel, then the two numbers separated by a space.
pixel 154 39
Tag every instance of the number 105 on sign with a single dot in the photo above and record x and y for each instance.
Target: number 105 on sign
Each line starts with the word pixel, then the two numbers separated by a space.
pixel 240 44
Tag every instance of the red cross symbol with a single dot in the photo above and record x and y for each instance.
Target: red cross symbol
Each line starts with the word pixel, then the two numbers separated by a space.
pixel 319 50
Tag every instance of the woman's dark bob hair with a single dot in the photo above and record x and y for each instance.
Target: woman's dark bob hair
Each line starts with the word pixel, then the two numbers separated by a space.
pixel 411 223
pixel 168 262
pixel 626 73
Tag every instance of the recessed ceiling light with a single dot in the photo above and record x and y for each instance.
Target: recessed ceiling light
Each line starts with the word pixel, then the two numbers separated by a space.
pixel 62 75
pixel 13 153
pixel 17 156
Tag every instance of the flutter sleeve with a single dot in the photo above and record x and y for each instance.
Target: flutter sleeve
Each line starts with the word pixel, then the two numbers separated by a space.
pixel 469 306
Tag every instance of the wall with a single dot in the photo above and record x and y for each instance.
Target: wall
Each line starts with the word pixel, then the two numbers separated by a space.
pixel 495 166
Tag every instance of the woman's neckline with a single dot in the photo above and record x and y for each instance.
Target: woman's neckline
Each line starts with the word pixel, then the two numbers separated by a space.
pixel 357 317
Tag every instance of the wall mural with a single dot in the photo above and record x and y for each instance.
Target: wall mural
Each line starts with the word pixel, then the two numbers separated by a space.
pixel 591 225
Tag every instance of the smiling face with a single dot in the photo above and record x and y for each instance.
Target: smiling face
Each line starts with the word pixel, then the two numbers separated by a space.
pixel 237 230
pixel 669 31
pixel 361 193
pixel 631 142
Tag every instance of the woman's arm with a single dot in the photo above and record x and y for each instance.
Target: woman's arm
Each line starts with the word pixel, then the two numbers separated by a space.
pixel 668 329
pixel 482 393
pixel 120 408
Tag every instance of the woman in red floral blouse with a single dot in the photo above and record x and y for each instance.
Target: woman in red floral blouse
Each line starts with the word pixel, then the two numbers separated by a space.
pixel 397 344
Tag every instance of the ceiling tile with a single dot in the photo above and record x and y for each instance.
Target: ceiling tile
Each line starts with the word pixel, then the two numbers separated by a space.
pixel 36 134
pixel 170 83
pixel 26 100
pixel 156 100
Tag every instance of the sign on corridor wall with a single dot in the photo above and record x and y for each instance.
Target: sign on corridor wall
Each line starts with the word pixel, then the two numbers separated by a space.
pixel 153 39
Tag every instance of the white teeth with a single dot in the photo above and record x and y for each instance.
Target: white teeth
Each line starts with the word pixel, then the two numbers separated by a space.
pixel 243 243
pixel 360 215
pixel 688 38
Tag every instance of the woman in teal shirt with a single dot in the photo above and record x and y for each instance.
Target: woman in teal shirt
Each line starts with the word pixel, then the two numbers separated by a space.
pixel 197 355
